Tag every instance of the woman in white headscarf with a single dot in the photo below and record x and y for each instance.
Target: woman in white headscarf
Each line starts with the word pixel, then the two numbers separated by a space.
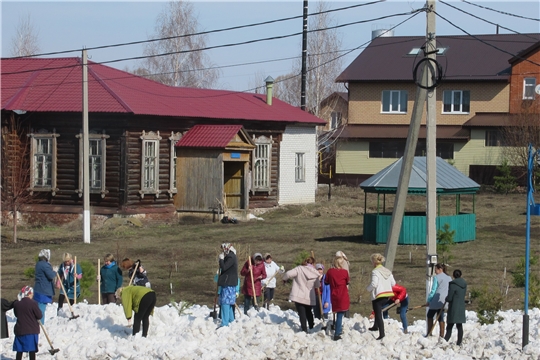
pixel 44 281
pixel 26 329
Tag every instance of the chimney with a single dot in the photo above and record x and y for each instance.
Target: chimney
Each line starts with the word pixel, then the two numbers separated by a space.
pixel 269 86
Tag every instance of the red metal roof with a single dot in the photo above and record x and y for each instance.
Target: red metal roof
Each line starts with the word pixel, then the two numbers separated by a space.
pixel 54 85
pixel 209 136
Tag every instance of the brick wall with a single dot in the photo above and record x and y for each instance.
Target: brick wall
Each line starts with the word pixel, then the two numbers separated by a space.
pixel 297 139
pixel 520 71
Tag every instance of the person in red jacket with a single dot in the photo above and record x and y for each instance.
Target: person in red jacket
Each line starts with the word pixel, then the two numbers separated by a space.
pixel 259 273
pixel 27 327
pixel 402 299
pixel 338 279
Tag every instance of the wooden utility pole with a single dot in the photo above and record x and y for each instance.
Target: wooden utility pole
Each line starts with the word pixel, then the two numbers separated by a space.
pixel 86 151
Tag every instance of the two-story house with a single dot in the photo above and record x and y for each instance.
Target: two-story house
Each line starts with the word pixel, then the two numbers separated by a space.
pixel 475 89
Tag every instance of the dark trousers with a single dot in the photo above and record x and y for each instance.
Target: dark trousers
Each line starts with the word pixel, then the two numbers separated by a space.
pixel 146 306
pixel 108 298
pixel 268 296
pixel 61 299
pixel 459 327
pixel 31 355
pixel 306 315
pixel 377 309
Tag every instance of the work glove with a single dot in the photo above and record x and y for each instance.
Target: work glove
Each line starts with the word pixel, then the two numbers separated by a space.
pixel 55 268
pixel 281 269
pixel 98 278
pixel 221 256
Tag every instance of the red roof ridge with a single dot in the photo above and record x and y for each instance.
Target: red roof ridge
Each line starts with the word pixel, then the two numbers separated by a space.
pixel 22 92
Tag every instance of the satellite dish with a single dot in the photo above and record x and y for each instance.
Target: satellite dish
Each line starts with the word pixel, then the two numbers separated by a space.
pixel 537 89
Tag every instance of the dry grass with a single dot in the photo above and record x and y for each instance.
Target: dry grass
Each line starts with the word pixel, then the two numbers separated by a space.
pixel 323 227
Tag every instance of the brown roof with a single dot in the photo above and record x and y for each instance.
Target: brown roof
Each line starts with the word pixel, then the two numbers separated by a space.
pixel 466 57
pixel 447 132
pixel 525 53
pixel 495 119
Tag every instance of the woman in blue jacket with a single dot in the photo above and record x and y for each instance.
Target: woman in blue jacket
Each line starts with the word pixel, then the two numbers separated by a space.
pixel 111 279
pixel 68 273
pixel 44 281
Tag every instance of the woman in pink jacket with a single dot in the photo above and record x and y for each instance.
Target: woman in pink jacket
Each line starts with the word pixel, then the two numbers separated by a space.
pixel 305 278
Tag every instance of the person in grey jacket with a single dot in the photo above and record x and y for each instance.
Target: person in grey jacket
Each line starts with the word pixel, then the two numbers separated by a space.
pixel 436 298
pixel 305 279
pixel 456 306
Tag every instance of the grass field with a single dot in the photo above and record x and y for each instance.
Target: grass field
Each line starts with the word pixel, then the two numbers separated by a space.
pixel 186 254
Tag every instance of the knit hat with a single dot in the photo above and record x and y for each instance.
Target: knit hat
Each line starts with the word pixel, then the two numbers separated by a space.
pixel 256 255
pixel 45 253
pixel 25 291
pixel 319 266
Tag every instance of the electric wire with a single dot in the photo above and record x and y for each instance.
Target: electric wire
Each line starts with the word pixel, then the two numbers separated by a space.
pixel 200 33
pixel 500 12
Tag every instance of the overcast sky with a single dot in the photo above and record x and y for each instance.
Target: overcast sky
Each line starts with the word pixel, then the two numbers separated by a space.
pixel 72 25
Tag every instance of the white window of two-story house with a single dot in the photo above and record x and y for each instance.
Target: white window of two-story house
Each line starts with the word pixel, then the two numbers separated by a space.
pixel 394 101
pixel 299 167
pixel 456 102
pixel 97 150
pixel 528 88
pixel 150 163
pixel 335 122
pixel 262 158
pixel 43 161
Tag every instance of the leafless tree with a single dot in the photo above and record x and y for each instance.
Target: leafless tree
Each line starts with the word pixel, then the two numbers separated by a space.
pixel 15 170
pixel 26 39
pixel 184 65
pixel 323 64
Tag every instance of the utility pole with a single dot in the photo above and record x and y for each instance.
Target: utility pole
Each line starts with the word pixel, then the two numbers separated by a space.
pixel 304 57
pixel 86 151
pixel 426 69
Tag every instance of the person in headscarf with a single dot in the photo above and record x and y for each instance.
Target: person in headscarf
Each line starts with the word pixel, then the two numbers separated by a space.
pixel 45 276
pixel 228 281
pixel 111 279
pixel 27 327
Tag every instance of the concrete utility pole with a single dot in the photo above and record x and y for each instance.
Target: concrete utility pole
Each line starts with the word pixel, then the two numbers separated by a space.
pixel 86 151
pixel 408 158
pixel 304 57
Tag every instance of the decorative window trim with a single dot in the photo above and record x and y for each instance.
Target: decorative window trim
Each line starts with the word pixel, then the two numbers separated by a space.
pixel 93 136
pixel 528 88
pixel 172 163
pixel 300 167
pixel 34 136
pixel 262 182
pixel 402 97
pixel 150 137
pixel 464 103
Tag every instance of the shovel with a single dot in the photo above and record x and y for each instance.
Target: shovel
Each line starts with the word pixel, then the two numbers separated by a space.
pixel 436 320
pixel 214 314
pixel 73 316
pixel 389 307
pixel 52 351
pixel 253 285
pixel 322 312
pixel 416 307
pixel 134 272
pixel 267 282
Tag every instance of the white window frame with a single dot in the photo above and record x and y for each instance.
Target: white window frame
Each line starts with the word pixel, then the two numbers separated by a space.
pixel 528 88
pixel 35 137
pixel 453 109
pixel 335 120
pixel 393 94
pixel 150 138
pixel 262 164
pixel 102 138
pixel 172 163
pixel 300 167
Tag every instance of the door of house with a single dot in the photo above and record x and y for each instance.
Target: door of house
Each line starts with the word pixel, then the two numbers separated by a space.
pixel 233 185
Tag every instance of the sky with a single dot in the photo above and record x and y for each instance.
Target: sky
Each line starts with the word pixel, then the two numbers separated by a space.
pixel 72 25
pixel 100 332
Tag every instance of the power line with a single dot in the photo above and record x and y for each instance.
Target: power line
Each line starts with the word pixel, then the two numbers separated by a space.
pixel 500 12
pixel 202 32
pixel 485 42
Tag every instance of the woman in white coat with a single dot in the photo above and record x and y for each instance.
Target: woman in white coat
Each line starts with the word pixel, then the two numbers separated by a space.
pixel 380 287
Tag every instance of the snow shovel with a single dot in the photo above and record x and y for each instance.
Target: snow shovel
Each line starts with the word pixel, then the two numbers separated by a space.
pixel 265 285
pixel 322 312
pixel 73 316
pixel 253 285
pixel 436 320
pixel 134 272
pixel 416 307
pixel 74 281
pixel 214 313
pixel 52 351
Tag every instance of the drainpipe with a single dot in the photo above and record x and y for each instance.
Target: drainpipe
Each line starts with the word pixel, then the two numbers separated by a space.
pixel 269 86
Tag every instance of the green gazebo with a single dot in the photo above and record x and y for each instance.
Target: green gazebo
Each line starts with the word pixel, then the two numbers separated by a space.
pixel 450 182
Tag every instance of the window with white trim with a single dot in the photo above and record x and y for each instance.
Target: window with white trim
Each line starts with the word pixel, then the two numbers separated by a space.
pixel 150 163
pixel 528 88
pixel 335 122
pixel 43 161
pixel 456 101
pixel 172 162
pixel 394 101
pixel 97 150
pixel 262 158
pixel 299 168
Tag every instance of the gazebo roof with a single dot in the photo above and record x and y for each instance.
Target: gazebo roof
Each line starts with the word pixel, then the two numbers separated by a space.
pixel 449 179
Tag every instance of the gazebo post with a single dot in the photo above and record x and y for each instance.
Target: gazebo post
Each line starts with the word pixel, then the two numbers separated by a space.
pixel 438 205
pixel 474 203
pixel 384 203
pixel 378 202
pixel 365 202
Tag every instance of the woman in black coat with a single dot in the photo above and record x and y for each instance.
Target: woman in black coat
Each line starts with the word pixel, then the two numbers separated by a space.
pixel 228 281
pixel 6 306
pixel 456 306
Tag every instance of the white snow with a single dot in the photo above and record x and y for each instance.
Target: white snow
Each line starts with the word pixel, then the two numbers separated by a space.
pixel 101 332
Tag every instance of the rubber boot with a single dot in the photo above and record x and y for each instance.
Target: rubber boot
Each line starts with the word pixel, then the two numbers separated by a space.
pixel 429 326
pixel 441 327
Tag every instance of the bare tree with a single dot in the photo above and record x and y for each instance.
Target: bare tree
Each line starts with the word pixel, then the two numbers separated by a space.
pixel 26 39
pixel 323 64
pixel 15 170
pixel 184 65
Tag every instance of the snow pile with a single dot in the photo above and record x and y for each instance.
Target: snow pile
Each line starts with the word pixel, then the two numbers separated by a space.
pixel 101 333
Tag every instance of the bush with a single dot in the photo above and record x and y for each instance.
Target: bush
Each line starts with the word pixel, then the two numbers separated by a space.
pixel 445 241
pixel 505 182
pixel 518 275
pixel 489 303
pixel 299 259
pixel 88 279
